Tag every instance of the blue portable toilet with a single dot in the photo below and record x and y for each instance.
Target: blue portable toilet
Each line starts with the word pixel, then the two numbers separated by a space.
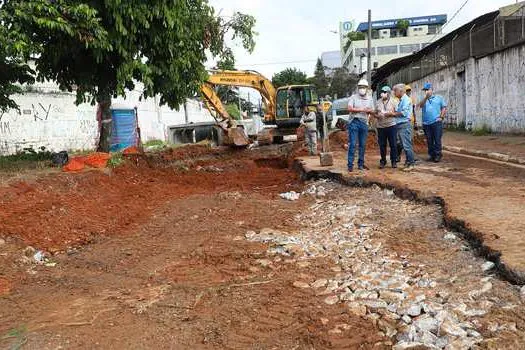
pixel 124 133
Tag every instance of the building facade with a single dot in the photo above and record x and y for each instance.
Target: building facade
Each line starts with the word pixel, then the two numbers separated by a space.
pixel 331 61
pixel 390 40
pixel 478 68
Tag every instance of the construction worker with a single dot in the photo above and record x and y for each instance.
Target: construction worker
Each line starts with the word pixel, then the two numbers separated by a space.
pixel 434 109
pixel 403 125
pixel 386 126
pixel 310 130
pixel 320 121
pixel 413 120
pixel 360 106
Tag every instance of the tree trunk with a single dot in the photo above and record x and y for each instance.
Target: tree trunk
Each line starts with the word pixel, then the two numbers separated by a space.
pixel 105 125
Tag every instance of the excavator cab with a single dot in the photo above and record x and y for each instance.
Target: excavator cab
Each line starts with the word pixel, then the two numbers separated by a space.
pixel 290 102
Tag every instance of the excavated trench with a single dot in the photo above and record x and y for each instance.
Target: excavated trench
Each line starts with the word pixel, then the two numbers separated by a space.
pixel 202 241
pixel 472 237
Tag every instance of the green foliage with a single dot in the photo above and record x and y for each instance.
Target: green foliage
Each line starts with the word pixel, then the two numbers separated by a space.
pixel 233 111
pixel 289 76
pixel 25 23
pixel 28 158
pixel 116 160
pixel 227 62
pixel 484 130
pixel 319 79
pixel 342 83
pixel 155 143
pixel 19 336
pixel 402 24
pixel 353 36
pixel 100 48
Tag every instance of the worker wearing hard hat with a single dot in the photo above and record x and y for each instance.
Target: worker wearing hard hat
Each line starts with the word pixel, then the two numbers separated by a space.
pixel 360 106
pixel 308 121
pixel 408 89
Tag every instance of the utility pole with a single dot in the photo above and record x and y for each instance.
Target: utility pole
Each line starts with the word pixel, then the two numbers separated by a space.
pixel 369 60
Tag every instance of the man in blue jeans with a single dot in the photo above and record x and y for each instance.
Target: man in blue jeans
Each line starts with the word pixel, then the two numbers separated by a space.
pixel 386 127
pixel 403 125
pixel 434 109
pixel 360 106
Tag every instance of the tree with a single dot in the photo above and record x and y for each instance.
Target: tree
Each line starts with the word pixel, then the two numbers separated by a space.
pixel 402 25
pixel 22 22
pixel 289 76
pixel 351 37
pixel 162 44
pixel 319 79
pixel 342 83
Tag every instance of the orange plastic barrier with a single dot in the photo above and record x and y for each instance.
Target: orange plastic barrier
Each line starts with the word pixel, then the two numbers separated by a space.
pixel 97 160
pixel 131 150
pixel 74 164
pixel 93 160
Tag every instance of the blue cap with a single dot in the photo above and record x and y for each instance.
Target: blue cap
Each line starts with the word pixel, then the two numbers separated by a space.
pixel 386 88
pixel 427 86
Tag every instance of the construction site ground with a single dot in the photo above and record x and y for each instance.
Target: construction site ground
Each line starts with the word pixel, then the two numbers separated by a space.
pixel 193 248
pixel 485 196
pixel 513 146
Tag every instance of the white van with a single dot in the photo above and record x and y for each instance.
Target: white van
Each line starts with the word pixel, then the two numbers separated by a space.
pixel 339 110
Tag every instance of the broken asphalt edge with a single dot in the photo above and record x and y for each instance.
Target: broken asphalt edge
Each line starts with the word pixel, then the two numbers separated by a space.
pixel 488 155
pixel 473 237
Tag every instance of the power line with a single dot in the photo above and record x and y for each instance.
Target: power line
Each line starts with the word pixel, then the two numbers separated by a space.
pixel 451 19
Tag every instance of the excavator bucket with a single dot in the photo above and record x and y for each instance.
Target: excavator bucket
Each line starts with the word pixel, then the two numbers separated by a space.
pixel 238 137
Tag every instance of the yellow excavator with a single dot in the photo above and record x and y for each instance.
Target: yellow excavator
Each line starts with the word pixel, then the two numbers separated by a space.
pixel 283 107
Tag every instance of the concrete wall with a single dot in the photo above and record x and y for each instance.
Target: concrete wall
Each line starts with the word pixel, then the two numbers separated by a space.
pixel 483 92
pixel 155 120
pixel 50 118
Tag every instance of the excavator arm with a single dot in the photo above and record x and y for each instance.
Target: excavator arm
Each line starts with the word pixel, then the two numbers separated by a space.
pixel 213 102
pixel 249 79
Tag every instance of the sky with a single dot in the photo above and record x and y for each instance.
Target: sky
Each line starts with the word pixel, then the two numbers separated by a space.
pixel 293 33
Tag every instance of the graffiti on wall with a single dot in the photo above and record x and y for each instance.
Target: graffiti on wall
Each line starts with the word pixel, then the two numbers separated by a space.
pixel 36 112
pixel 5 128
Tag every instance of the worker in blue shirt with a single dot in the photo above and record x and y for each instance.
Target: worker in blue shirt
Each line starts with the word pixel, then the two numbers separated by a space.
pixel 434 109
pixel 403 116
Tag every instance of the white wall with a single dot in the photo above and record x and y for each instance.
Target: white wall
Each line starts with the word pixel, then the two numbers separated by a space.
pixel 492 94
pixel 50 118
pixel 155 120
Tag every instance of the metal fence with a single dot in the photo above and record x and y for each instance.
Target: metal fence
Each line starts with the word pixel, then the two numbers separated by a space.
pixel 479 41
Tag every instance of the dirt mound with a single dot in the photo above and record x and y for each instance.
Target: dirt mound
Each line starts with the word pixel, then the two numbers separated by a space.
pixel 189 152
pixel 339 141
pixel 70 209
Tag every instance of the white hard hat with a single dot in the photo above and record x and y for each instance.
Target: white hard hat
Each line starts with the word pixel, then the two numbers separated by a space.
pixel 363 82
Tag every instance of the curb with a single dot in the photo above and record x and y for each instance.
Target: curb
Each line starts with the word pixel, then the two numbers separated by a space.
pixel 488 155
pixel 473 237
